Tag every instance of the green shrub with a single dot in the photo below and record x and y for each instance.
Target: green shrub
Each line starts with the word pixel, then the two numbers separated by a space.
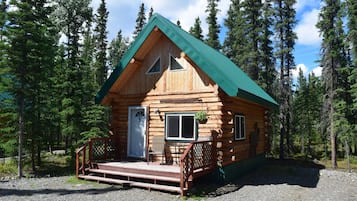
pixel 9 168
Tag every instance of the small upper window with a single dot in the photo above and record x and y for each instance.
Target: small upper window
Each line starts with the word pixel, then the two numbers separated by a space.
pixel 239 127
pixel 174 65
pixel 156 68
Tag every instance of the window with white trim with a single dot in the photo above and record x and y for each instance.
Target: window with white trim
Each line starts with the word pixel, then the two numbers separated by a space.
pixel 155 68
pixel 174 64
pixel 239 127
pixel 180 127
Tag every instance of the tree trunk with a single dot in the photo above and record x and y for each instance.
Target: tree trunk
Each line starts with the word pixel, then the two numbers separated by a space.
pixel 347 148
pixel 332 139
pixel 21 134
pixel 303 144
pixel 33 166
pixel 281 148
pixel 325 147
pixel 38 153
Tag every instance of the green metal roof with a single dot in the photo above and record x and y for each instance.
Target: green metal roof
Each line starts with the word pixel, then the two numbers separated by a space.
pixel 218 67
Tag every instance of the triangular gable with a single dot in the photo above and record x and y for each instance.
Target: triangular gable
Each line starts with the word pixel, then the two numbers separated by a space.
pixel 229 77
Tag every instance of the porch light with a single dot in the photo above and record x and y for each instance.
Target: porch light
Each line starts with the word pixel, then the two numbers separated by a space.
pixel 157 111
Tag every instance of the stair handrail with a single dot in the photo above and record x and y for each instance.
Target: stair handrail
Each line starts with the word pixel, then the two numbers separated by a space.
pixel 98 149
pixel 81 152
pixel 198 155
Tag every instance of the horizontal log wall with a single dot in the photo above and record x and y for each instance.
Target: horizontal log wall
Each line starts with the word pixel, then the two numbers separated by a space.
pixel 231 150
pixel 156 122
pixel 187 90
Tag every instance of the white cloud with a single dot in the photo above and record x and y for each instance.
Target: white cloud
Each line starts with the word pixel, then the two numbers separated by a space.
pixel 306 30
pixel 122 14
pixel 295 72
pixel 317 71
pixel 303 4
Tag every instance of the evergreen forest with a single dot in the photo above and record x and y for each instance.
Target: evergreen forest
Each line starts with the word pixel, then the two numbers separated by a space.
pixel 55 55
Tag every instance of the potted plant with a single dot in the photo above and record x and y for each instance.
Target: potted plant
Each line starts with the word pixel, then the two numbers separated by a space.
pixel 201 117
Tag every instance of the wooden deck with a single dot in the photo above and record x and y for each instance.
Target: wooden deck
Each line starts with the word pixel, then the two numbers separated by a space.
pixel 198 159
pixel 137 174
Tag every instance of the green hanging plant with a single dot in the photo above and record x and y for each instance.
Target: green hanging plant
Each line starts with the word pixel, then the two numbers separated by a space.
pixel 201 117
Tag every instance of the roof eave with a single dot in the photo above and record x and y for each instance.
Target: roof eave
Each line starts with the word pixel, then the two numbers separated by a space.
pixel 251 97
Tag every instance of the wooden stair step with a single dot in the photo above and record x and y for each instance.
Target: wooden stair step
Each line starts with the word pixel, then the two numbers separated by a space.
pixel 135 175
pixel 103 179
pixel 132 183
pixel 156 187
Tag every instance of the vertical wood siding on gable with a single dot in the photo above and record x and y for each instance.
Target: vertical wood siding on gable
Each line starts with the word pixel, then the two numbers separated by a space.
pixel 191 79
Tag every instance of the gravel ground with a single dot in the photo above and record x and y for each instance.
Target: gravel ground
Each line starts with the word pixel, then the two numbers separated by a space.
pixel 267 183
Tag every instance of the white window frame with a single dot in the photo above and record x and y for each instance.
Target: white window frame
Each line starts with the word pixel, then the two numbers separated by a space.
pixel 180 138
pixel 172 57
pixel 152 65
pixel 239 136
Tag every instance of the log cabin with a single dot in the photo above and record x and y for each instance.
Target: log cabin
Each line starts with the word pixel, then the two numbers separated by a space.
pixel 166 78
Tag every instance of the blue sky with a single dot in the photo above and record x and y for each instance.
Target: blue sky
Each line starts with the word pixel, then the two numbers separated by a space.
pixel 123 13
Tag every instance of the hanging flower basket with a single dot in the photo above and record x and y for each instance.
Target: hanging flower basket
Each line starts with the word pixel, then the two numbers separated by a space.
pixel 201 117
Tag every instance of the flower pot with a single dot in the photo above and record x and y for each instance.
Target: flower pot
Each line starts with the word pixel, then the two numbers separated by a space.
pixel 202 121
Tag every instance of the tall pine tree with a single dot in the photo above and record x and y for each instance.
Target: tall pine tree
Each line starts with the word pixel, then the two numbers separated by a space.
pixel 72 17
pixel 140 21
pixel 196 30
pixel 332 59
pixel 100 38
pixel 351 39
pixel 30 56
pixel 267 77
pixel 117 48
pixel 285 22
pixel 234 42
pixel 213 26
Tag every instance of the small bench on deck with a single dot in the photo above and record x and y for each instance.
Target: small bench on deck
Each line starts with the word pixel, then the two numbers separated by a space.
pixel 157 148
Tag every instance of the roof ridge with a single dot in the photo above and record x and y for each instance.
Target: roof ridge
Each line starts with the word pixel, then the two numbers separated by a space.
pixel 215 64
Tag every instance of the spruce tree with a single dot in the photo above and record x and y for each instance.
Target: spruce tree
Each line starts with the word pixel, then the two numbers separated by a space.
pixel 30 58
pixel 213 27
pixel 178 23
pixel 100 41
pixel 267 58
pixel 140 21
pixel 306 109
pixel 117 48
pixel 72 17
pixel 351 39
pixel 94 121
pixel 8 114
pixel 284 25
pixel 332 59
pixel 151 12
pixel 234 43
pixel 196 30
pixel 252 31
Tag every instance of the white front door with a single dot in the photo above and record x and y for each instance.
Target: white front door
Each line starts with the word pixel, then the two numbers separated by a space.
pixel 137 132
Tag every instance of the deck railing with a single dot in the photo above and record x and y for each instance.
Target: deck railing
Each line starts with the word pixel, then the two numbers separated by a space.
pixel 199 158
pixel 96 149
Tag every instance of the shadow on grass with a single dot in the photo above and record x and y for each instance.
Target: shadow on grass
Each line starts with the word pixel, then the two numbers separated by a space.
pixel 59 192
pixel 274 172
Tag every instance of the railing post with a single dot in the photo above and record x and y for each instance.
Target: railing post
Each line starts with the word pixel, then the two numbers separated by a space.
pixel 77 164
pixel 105 148
pixel 90 150
pixel 84 160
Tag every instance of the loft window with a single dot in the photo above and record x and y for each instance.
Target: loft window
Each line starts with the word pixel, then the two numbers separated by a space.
pixel 174 65
pixel 180 127
pixel 155 68
pixel 239 127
